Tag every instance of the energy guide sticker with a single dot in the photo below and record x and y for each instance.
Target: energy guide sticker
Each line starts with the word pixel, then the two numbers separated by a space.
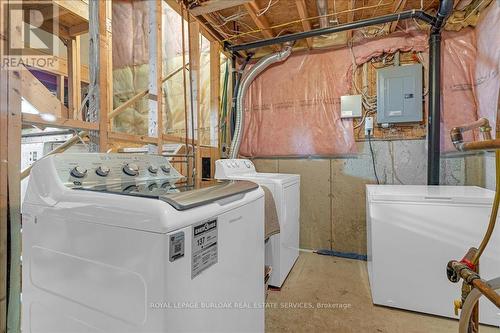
pixel 204 247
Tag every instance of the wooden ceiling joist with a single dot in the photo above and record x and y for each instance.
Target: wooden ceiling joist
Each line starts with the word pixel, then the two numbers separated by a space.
pixel 215 5
pixel 399 6
pixel 306 24
pixel 79 8
pixel 78 29
pixel 260 21
pixel 350 16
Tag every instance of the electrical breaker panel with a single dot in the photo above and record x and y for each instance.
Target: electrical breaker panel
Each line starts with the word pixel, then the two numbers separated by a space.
pixel 399 94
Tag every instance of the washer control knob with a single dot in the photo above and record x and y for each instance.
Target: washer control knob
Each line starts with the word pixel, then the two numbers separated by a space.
pixel 153 169
pixel 165 169
pixel 131 169
pixel 78 172
pixel 102 171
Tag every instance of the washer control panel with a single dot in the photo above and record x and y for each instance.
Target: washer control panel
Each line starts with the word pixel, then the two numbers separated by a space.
pixel 97 168
pixel 228 168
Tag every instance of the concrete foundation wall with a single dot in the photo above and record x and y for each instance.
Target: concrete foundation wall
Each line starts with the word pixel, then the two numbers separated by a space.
pixel 333 190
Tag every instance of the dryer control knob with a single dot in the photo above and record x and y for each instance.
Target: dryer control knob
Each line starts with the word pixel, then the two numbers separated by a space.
pixel 165 169
pixel 153 169
pixel 131 169
pixel 78 172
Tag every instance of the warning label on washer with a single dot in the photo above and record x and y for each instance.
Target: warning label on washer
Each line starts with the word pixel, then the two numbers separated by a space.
pixel 204 247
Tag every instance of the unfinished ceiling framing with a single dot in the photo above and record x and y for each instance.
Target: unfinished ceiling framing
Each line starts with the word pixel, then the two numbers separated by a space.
pixel 247 21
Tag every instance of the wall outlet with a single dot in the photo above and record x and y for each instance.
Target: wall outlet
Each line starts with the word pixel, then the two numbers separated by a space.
pixel 369 126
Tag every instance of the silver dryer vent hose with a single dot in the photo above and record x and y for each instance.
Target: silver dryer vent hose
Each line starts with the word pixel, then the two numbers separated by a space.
pixel 247 79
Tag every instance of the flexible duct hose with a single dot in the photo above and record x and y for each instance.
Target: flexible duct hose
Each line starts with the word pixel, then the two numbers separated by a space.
pixel 247 79
pixel 469 304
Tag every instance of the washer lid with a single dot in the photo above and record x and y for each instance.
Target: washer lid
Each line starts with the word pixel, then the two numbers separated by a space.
pixel 204 196
pixel 179 195
pixel 430 193
pixel 269 177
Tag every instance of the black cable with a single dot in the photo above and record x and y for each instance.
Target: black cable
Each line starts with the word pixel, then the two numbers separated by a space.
pixel 373 156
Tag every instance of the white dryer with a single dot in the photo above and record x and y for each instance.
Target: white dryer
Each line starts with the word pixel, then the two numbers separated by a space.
pixel 120 243
pixel 282 250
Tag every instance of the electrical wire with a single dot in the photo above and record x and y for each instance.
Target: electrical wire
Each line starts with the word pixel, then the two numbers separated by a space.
pixel 271 3
pixel 306 19
pixel 373 156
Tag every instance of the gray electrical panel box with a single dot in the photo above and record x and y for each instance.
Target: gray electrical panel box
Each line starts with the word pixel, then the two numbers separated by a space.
pixel 399 94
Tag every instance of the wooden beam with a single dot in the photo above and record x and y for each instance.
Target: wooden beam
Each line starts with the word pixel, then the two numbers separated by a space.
pixel 350 17
pixel 399 6
pixel 109 13
pixel 78 29
pixel 99 90
pixel 60 89
pixel 13 184
pixel 118 136
pixel 60 66
pixel 76 7
pixel 127 104
pixel 207 31
pixel 39 96
pixel 214 6
pixel 306 24
pixel 4 112
pixel 14 181
pixel 74 78
pixel 118 110
pixel 260 21
pixel 48 13
pixel 176 139
pixel 194 75
pixel 214 89
pixel 105 72
pixel 61 31
pixel 34 119
pixel 155 116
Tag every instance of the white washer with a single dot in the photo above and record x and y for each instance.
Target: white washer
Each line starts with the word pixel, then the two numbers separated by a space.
pixel 118 243
pixel 282 250
pixel 414 231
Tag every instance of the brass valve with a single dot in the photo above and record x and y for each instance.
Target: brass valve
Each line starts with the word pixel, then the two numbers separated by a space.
pixel 457 304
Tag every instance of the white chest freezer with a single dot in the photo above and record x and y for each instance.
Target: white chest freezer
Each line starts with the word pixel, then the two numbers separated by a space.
pixel 413 231
pixel 118 243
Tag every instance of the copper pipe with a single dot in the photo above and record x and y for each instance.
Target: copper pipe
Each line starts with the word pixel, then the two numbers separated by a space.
pixel 486 290
pixel 485 136
pixel 478 145
pixel 472 278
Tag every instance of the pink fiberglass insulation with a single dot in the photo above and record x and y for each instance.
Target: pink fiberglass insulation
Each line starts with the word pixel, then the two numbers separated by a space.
pixel 293 108
pixel 487 80
pixel 130 18
pixel 458 102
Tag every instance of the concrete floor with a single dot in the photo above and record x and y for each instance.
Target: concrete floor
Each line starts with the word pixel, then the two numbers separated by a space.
pixel 342 286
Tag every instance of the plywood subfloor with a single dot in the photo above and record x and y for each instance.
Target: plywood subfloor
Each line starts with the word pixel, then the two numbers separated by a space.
pixel 337 282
